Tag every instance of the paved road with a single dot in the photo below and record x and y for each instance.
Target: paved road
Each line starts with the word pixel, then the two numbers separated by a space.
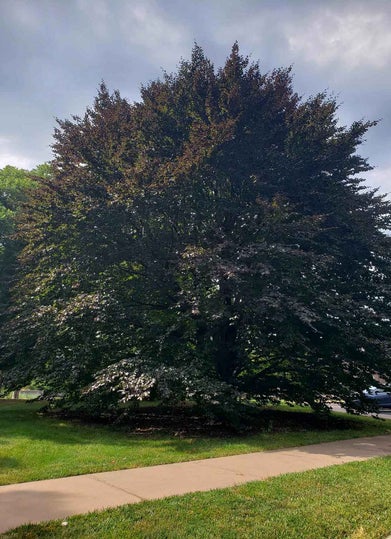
pixel 385 414
pixel 59 498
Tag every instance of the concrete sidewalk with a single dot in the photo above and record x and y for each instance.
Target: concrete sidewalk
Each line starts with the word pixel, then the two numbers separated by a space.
pixel 59 498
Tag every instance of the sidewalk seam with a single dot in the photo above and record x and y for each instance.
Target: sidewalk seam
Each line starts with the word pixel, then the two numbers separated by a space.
pixel 119 488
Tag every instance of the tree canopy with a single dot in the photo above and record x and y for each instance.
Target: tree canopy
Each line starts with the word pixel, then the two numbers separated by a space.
pixel 214 242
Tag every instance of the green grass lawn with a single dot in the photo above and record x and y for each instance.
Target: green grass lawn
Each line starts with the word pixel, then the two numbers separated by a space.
pixel 350 501
pixel 35 447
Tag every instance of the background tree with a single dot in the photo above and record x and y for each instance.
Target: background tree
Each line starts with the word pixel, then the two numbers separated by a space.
pixel 214 241
pixel 15 185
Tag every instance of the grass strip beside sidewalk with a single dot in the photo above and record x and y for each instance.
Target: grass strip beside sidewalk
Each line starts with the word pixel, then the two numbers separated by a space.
pixel 349 501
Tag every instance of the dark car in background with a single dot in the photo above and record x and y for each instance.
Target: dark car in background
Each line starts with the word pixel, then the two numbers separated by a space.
pixel 380 397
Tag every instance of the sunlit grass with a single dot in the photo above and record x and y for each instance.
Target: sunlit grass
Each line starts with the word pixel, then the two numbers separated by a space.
pixel 36 447
pixel 350 501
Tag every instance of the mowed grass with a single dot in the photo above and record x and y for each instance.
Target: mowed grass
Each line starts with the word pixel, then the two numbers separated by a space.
pixel 35 447
pixel 350 501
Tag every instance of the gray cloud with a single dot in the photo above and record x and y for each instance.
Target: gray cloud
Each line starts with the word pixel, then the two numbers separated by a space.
pixel 55 53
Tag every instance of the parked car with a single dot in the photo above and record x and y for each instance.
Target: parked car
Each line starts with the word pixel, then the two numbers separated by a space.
pixel 379 396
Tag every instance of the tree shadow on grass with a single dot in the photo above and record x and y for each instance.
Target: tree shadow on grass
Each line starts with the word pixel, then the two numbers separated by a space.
pixel 8 462
pixel 150 441
pixel 175 429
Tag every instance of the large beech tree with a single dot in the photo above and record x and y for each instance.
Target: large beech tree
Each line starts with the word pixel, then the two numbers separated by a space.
pixel 214 241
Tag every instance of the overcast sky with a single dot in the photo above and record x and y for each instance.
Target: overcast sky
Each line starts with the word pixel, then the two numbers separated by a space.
pixel 54 53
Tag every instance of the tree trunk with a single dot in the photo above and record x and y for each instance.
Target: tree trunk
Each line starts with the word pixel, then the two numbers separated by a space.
pixel 226 354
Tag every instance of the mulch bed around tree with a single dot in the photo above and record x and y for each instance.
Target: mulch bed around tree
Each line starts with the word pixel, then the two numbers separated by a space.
pixel 190 421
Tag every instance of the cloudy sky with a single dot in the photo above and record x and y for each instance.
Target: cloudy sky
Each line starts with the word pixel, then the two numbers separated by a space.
pixel 54 53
